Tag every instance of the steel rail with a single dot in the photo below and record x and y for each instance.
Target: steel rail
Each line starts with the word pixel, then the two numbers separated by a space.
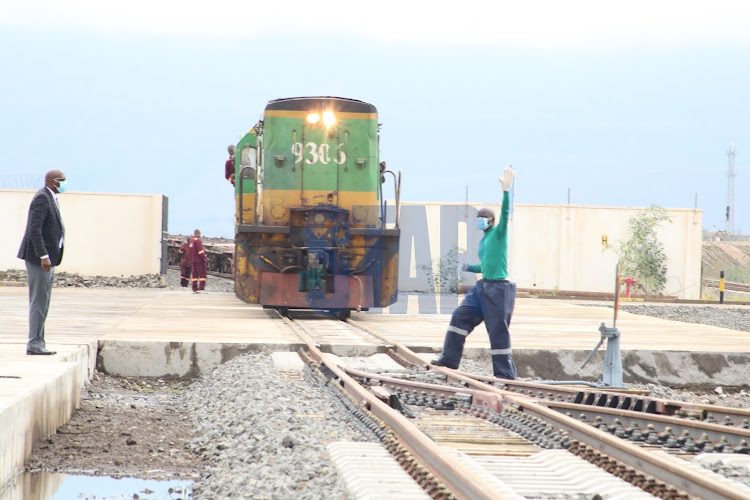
pixel 738 416
pixel 633 401
pixel 573 394
pixel 462 482
pixel 715 432
pixel 629 454
pixel 602 398
pixel 728 285
pixel 533 388
pixel 398 347
pixel 485 399
pixel 661 468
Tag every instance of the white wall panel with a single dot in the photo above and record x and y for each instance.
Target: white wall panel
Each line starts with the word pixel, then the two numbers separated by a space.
pixel 105 234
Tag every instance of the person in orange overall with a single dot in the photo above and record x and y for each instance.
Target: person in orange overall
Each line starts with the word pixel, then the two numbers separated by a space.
pixel 198 262
pixel 184 252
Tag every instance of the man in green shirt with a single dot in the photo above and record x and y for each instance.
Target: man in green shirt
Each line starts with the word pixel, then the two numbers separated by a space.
pixel 493 297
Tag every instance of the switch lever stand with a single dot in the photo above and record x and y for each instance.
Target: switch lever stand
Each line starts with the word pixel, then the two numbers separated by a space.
pixel 612 369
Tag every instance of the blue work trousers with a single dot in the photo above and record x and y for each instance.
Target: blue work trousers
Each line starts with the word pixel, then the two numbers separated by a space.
pixel 491 301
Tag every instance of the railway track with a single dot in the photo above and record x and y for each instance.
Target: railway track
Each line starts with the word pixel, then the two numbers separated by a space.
pixel 458 434
pixel 728 285
pixel 220 253
pixel 209 272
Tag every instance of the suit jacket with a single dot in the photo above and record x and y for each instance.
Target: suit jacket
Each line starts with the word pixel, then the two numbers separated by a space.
pixel 44 230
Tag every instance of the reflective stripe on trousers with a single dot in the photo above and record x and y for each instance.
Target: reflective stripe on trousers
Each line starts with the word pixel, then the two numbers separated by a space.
pixel 493 303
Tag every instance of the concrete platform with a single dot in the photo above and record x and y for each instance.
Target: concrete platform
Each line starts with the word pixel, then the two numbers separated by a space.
pixel 149 332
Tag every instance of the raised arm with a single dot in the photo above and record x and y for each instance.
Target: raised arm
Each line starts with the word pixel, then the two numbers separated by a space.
pixel 506 182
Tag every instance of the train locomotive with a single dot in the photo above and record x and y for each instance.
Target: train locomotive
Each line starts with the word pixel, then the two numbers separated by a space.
pixel 310 221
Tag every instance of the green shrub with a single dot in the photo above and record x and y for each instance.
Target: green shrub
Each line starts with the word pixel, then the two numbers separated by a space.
pixel 642 255
pixel 442 274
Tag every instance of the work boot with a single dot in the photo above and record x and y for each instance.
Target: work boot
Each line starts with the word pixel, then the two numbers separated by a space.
pixel 437 362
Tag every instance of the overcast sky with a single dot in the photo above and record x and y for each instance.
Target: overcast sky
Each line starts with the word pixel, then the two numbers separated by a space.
pixel 627 105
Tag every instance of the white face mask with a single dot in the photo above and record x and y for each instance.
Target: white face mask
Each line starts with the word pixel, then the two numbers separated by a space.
pixel 483 223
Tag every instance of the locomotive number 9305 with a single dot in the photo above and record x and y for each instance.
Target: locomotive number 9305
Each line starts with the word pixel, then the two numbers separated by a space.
pixel 311 229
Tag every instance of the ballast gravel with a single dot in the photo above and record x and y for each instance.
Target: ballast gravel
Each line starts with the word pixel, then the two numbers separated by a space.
pixel 724 316
pixel 213 283
pixel 261 442
pixel 265 435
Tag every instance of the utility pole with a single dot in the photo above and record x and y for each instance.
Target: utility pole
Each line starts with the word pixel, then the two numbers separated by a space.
pixel 730 190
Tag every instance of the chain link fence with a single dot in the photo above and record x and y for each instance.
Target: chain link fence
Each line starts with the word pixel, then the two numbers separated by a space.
pixel 22 181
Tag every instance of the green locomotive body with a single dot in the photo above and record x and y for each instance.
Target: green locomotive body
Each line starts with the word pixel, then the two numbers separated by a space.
pixel 310 221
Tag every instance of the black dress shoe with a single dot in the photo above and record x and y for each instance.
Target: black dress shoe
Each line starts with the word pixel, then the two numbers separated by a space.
pixel 40 352
pixel 437 362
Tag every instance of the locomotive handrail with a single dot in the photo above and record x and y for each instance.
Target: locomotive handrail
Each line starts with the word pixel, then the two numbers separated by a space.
pixel 242 194
pixel 361 293
pixel 397 187
pixel 398 198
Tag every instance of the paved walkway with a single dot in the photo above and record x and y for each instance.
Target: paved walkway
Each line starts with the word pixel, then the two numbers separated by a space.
pixel 207 329
pixel 164 315
pixel 152 332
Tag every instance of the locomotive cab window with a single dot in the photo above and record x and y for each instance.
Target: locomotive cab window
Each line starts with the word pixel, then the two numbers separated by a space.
pixel 249 159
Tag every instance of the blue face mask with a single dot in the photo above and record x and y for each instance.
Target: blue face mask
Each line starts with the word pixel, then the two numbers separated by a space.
pixel 62 186
pixel 483 223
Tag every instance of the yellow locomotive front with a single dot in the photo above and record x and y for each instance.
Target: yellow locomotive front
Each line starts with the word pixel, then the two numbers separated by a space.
pixel 311 230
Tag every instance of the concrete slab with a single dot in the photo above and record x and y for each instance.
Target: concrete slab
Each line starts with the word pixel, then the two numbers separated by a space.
pixel 377 363
pixel 336 337
pixel 35 399
pixel 158 332
pixel 289 364
pixel 552 338
pixel 177 333
pixel 554 324
pixel 82 354
pixel 369 472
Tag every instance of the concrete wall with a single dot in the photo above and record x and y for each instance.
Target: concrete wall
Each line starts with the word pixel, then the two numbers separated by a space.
pixel 551 246
pixel 105 234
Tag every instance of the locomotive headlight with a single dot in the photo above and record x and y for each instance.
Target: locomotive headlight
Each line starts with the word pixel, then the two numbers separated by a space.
pixel 313 117
pixel 329 118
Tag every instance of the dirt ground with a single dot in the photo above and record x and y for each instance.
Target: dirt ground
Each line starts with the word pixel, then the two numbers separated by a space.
pixel 137 428
pixel 124 428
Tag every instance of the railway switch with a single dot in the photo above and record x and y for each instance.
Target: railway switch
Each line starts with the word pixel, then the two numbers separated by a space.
pixel 612 369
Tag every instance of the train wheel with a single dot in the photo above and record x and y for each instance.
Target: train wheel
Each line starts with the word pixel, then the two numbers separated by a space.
pixel 284 311
pixel 344 314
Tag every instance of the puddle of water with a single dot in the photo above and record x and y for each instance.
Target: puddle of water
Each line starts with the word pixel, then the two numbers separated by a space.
pixel 54 486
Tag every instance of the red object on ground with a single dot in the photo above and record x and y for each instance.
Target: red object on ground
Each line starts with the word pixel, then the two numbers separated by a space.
pixel 282 290
pixel 628 282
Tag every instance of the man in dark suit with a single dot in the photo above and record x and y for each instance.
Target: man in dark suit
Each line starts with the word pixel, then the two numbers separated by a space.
pixel 42 249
